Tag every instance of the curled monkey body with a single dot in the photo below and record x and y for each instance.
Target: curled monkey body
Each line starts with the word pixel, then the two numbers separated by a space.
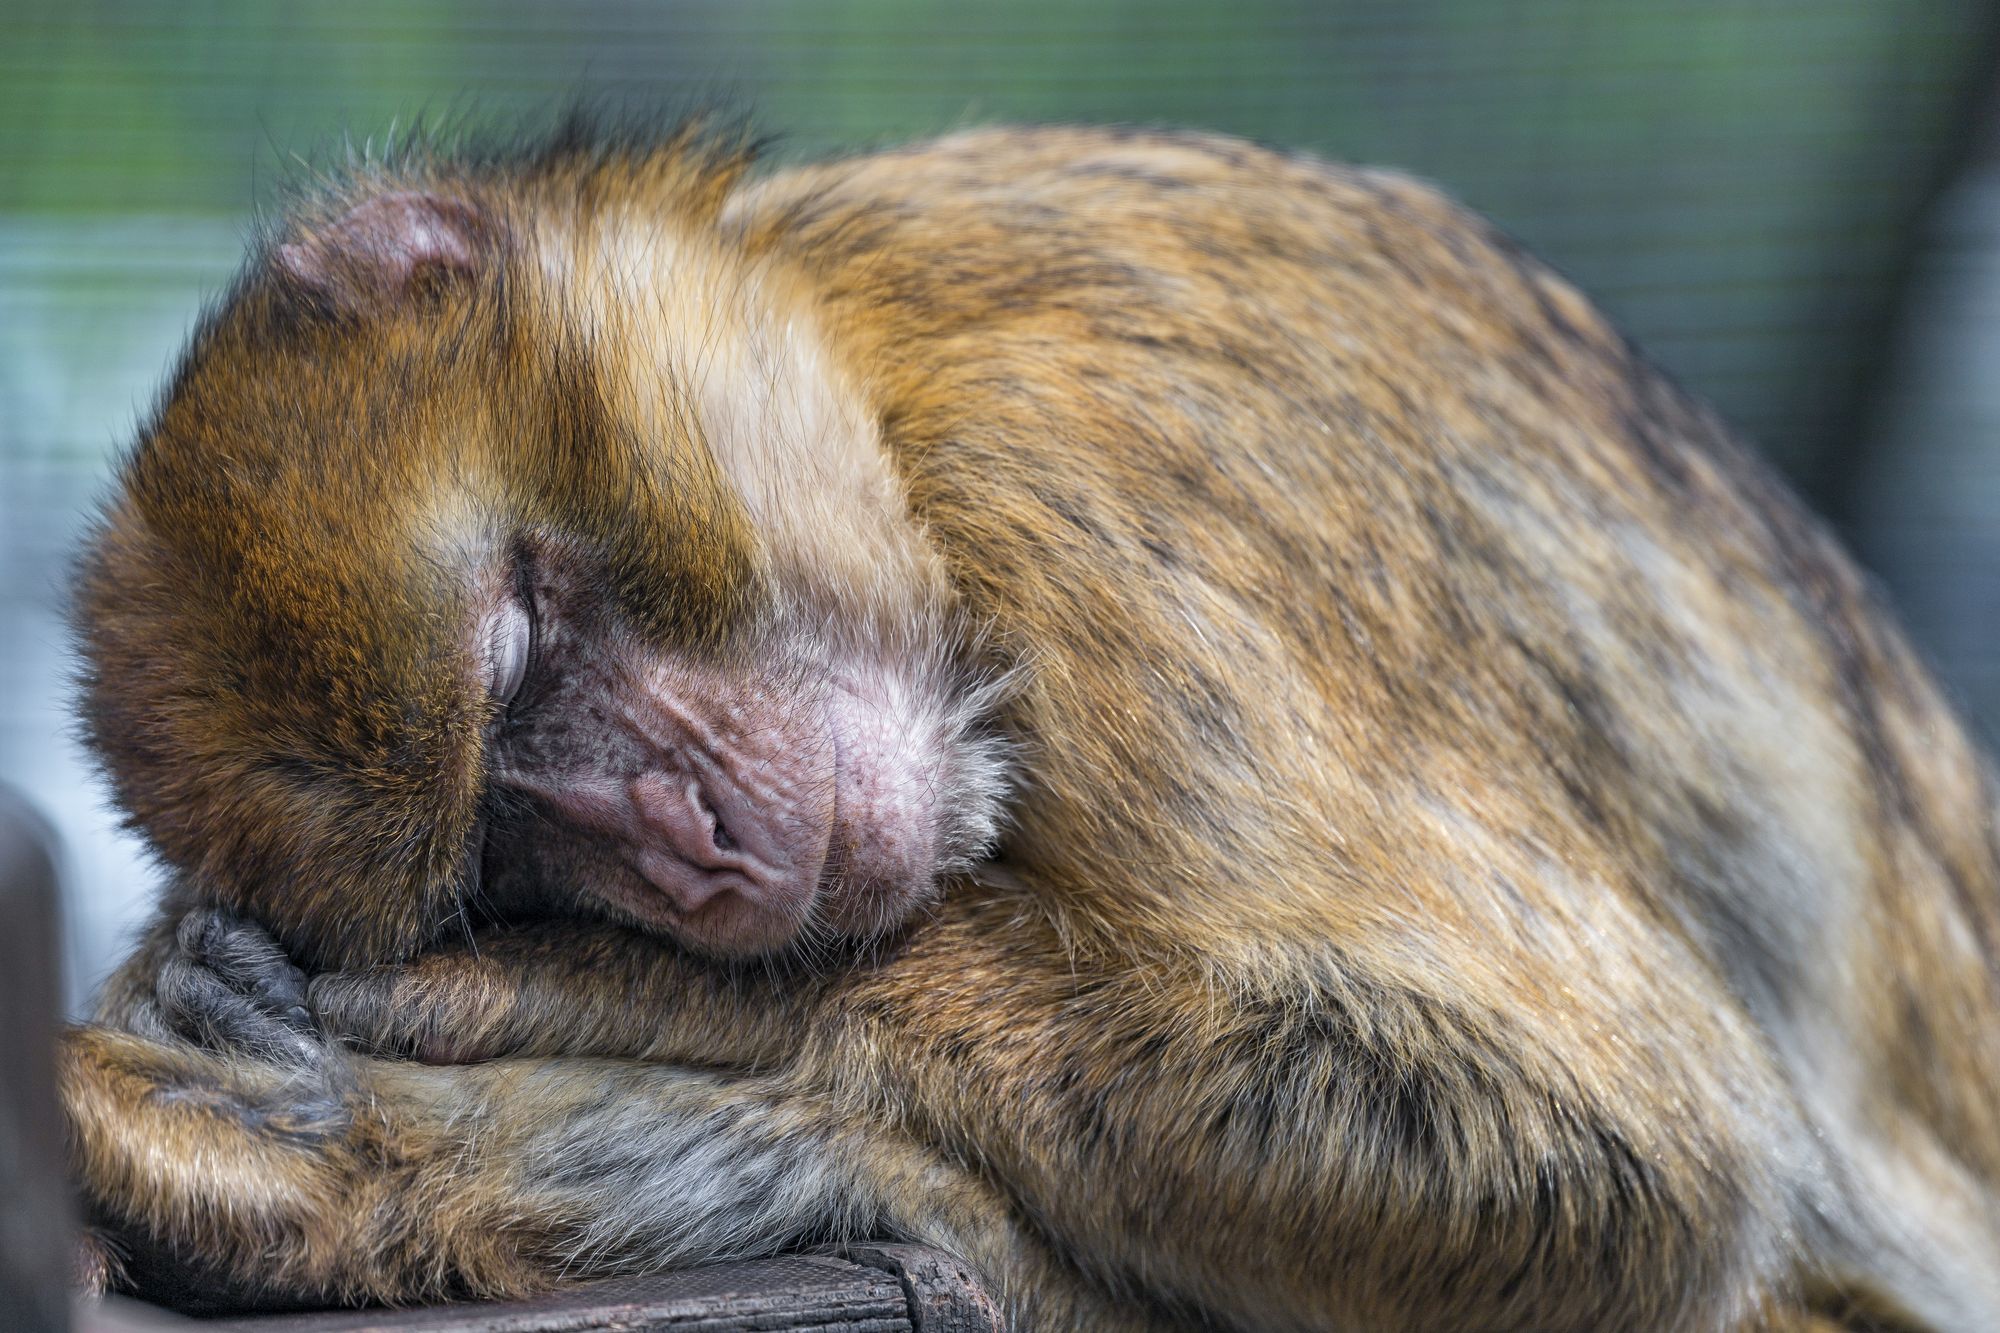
pixel 1477 856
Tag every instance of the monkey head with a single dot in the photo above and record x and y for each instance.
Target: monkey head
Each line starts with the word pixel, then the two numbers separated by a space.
pixel 507 539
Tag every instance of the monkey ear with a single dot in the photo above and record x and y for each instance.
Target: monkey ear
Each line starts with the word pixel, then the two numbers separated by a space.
pixel 385 247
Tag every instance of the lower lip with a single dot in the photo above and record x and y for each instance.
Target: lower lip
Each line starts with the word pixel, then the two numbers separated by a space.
pixel 662 872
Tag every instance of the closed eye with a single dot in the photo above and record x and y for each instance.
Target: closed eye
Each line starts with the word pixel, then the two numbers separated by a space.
pixel 510 642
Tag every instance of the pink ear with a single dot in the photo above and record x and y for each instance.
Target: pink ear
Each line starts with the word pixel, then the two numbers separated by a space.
pixel 383 246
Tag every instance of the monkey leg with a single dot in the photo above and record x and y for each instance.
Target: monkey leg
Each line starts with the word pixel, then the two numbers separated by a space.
pixel 498 1179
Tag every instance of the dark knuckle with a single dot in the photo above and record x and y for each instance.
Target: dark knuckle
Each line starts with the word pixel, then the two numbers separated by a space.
pixel 191 932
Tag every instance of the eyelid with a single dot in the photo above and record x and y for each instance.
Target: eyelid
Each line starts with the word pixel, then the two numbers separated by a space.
pixel 510 641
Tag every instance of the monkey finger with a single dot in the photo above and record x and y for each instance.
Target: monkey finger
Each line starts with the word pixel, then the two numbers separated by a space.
pixel 203 1008
pixel 388 1011
pixel 246 957
pixel 361 1010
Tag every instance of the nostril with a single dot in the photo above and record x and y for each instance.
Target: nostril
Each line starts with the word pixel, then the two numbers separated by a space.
pixel 718 832
pixel 679 812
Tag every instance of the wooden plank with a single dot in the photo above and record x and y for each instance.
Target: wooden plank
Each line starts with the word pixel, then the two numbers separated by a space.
pixel 35 1223
pixel 945 1295
pixel 891 1289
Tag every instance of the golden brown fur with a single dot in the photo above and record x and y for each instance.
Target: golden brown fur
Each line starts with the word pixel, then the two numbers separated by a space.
pixel 1482 858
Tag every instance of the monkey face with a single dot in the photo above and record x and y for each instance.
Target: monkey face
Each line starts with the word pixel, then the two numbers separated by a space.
pixel 500 546
pixel 734 801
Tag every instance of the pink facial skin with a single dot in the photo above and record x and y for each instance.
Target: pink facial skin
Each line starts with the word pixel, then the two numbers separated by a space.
pixel 738 810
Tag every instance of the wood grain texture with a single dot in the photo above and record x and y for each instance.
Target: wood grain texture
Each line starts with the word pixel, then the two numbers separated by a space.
pixel 945 1295
pixel 885 1289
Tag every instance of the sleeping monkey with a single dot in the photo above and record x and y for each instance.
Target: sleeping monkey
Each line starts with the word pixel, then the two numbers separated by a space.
pixel 1183 721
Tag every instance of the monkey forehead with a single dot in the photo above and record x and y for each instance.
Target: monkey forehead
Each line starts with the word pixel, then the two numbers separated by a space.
pixel 697 345
pixel 311 460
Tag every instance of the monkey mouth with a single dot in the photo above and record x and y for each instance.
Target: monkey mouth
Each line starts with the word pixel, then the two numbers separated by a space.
pixel 702 843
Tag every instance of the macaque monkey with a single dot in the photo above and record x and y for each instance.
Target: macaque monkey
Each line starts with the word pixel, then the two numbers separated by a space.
pixel 1182 721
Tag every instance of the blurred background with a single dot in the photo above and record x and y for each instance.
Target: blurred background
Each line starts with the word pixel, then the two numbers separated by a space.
pixel 1793 204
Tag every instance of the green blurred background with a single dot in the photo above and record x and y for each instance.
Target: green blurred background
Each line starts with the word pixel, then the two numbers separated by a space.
pixel 1793 204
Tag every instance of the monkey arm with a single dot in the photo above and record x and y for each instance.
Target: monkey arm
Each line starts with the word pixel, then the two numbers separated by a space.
pixel 571 988
pixel 1360 1138
pixel 495 1180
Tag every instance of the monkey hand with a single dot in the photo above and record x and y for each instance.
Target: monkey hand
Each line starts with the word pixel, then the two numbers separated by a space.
pixel 566 988
pixel 230 1152
pixel 228 986
pixel 223 1130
